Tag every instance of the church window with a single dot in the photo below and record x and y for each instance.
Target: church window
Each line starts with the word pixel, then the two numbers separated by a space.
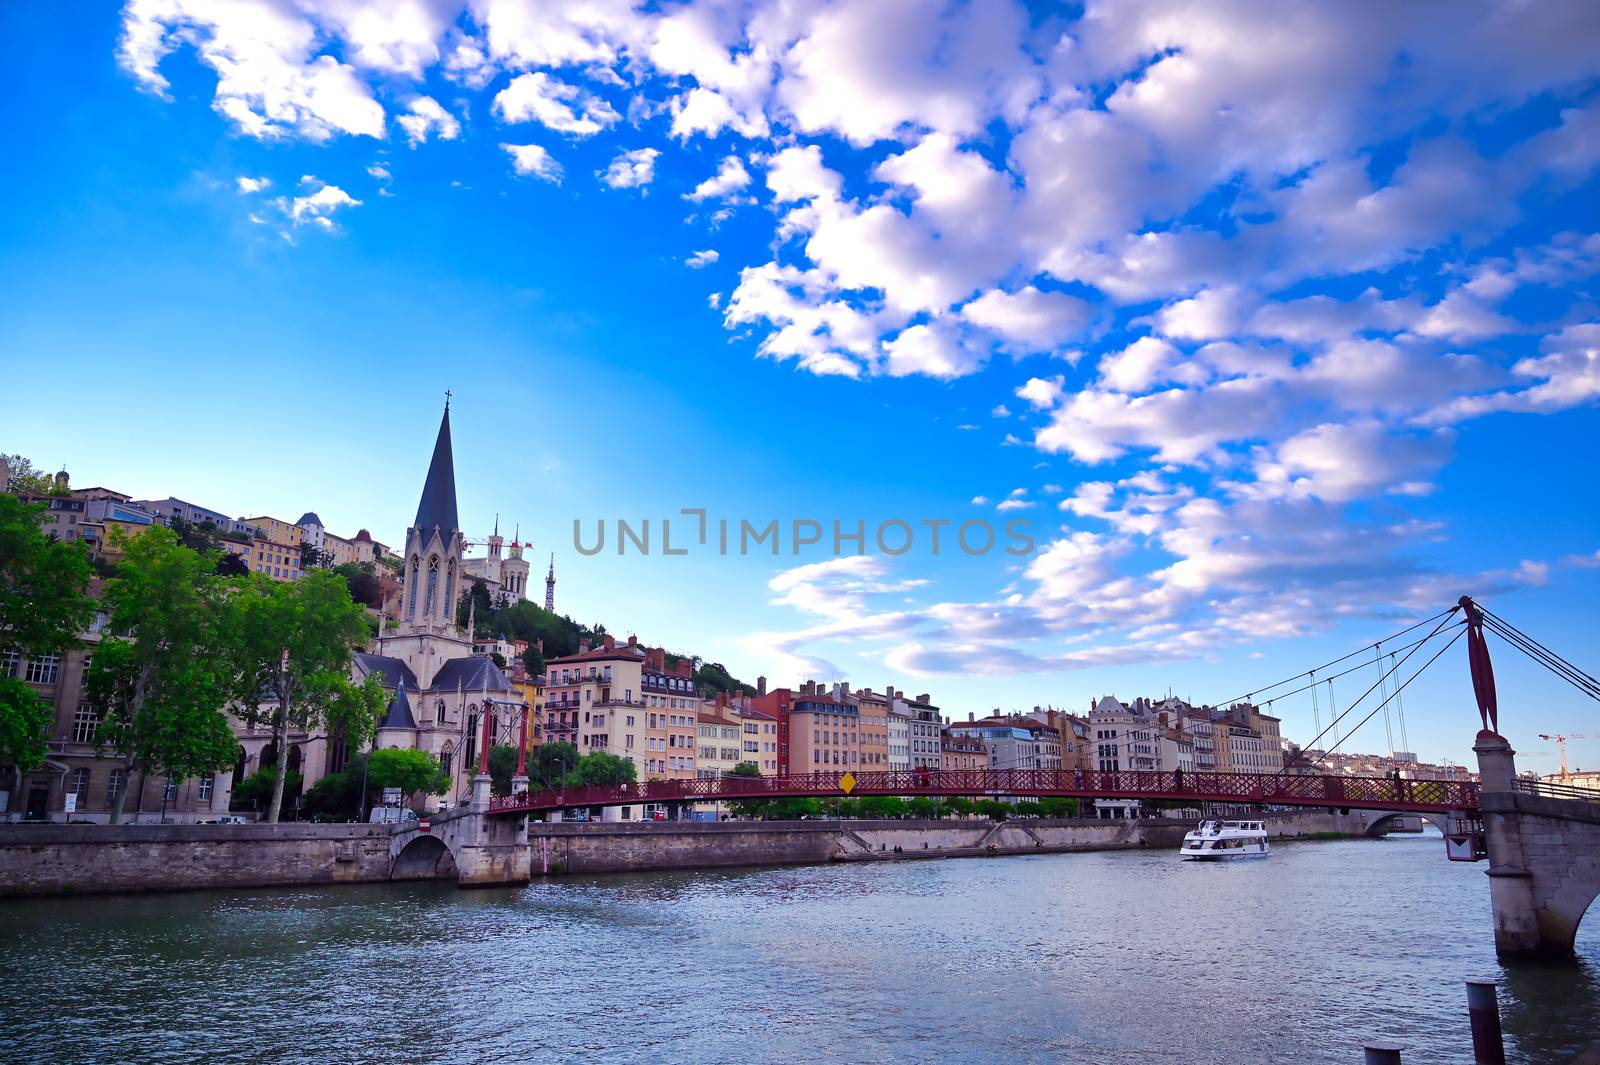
pixel 445 757
pixel 472 736
pixel 433 585
pixel 439 713
pixel 450 583
pixel 411 610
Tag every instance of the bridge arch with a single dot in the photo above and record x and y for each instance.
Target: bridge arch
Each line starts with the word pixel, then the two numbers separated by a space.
pixel 1383 824
pixel 425 857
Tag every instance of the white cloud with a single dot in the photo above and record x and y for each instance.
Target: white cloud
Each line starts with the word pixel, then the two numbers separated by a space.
pixel 248 185
pixel 533 160
pixel 631 170
pixel 1041 393
pixel 565 108
pixel 1001 411
pixel 929 349
pixel 731 177
pixel 1028 319
pixel 702 258
pixel 318 206
pixel 424 115
pixel 379 171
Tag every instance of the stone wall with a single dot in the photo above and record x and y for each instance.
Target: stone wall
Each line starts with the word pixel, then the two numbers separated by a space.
pixel 115 859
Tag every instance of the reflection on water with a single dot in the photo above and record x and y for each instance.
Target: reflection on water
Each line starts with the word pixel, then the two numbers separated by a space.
pixel 1106 958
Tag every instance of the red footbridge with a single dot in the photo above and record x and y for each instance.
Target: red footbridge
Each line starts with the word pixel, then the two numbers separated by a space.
pixel 1339 792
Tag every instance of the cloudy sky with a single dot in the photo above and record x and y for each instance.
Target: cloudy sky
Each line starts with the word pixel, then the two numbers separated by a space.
pixel 1277 333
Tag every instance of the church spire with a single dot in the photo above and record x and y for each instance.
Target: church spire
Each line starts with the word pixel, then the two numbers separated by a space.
pixel 550 587
pixel 438 505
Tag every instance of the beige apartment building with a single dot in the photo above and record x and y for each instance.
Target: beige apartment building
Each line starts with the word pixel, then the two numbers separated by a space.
pixel 671 718
pixel 824 732
pixel 760 739
pixel 874 729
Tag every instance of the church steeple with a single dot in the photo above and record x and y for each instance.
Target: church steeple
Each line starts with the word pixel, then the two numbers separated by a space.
pixel 437 508
pixel 550 587
pixel 433 546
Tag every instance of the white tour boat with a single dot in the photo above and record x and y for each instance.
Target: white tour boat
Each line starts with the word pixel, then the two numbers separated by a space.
pixel 1224 840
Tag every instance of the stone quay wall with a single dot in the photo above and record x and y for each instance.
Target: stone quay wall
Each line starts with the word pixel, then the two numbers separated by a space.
pixel 40 860
pixel 118 859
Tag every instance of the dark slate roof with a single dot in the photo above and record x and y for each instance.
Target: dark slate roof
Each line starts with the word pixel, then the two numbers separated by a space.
pixel 399 715
pixel 471 674
pixel 391 671
pixel 309 518
pixel 438 505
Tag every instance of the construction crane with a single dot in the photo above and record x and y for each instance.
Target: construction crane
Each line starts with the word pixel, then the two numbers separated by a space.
pixel 1561 745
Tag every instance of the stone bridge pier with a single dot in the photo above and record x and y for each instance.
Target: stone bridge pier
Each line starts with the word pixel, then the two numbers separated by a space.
pixel 478 850
pixel 1544 858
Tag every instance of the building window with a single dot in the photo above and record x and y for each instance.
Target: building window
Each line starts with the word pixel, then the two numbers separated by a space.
pixel 170 792
pixel 84 722
pixel 42 669
pixel 79 784
pixel 438 716
pixel 10 662
pixel 446 756
pixel 114 785
pixel 203 789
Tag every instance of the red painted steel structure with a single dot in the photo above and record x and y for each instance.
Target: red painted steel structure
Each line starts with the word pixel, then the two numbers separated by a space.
pixel 1365 793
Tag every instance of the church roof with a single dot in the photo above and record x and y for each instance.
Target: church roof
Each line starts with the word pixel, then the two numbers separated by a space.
pixel 438 505
pixel 392 671
pixel 471 674
pixel 309 518
pixel 399 715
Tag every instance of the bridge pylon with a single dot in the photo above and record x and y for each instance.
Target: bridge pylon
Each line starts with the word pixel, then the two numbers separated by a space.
pixel 1544 856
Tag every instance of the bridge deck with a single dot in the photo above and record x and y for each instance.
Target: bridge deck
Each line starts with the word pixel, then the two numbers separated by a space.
pixel 1370 793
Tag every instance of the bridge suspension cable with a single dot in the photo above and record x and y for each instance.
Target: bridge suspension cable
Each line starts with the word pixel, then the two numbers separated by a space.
pixel 1445 616
pixel 1259 692
pixel 1541 654
pixel 1448 644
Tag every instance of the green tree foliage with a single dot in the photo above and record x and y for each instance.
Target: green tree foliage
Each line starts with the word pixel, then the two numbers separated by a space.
pixel 337 796
pixel 27 479
pixel 714 677
pixel 550 765
pixel 313 557
pixel 362 579
pixel 995 810
pixel 600 769
pixel 958 806
pixel 1053 806
pixel 744 769
pixel 161 686
pixel 231 565
pixel 295 640
pixel 477 602
pixel 883 807
pixel 777 809
pixel 502 765
pixel 408 769
pixel 44 607
pixel 258 789
pixel 922 806
pixel 201 536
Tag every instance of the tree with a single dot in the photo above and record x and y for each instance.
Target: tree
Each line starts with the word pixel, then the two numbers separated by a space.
pixel 26 479
pixel 313 557
pixel 994 809
pixel 744 769
pixel 533 660
pixel 408 769
pixel 162 686
pixel 883 806
pixel 475 600
pixel 44 607
pixel 923 807
pixel 295 640
pixel 337 796
pixel 1054 806
pixel 502 766
pixel 958 806
pixel 231 565
pixel 256 790
pixel 362 578
pixel 551 765
pixel 601 769
pixel 196 537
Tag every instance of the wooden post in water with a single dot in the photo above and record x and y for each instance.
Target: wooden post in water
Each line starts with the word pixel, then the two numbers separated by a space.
pixel 1483 1011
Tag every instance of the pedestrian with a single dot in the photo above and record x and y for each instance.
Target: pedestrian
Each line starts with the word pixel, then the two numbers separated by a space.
pixel 1177 777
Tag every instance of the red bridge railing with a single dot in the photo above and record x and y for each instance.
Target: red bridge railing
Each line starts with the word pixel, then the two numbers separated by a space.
pixel 1371 793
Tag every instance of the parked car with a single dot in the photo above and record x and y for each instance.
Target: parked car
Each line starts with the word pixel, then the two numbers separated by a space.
pixel 225 819
pixel 390 815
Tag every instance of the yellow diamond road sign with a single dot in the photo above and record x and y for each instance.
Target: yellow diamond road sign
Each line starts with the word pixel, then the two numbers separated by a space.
pixel 848 782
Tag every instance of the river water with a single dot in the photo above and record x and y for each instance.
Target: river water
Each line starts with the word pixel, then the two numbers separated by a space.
pixel 1105 958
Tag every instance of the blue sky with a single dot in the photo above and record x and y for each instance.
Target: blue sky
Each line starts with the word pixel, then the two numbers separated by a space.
pixel 1275 348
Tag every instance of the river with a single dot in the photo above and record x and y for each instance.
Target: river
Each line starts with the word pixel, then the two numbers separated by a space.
pixel 1106 958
